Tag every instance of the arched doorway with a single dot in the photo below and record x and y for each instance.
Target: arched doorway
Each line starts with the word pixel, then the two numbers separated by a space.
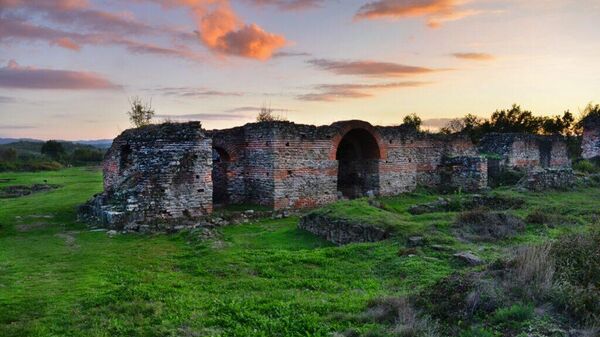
pixel 221 160
pixel 358 164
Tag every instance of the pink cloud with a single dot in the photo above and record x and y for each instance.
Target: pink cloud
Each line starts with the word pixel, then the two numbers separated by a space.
pixel 435 11
pixel 335 92
pixel 368 68
pixel 67 43
pixel 15 76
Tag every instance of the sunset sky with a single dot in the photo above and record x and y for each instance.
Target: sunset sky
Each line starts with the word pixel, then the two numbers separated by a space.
pixel 68 67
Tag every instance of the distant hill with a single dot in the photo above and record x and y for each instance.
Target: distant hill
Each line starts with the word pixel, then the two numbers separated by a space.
pixel 97 143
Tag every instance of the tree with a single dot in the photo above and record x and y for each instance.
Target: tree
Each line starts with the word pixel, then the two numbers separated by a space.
pixel 140 113
pixel 53 149
pixel 558 125
pixel 7 155
pixel 413 121
pixel 513 120
pixel 590 112
pixel 266 115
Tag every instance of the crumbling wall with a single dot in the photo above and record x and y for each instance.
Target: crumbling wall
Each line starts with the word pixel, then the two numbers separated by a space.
pixel 466 173
pixel 591 138
pixel 155 175
pixel 525 151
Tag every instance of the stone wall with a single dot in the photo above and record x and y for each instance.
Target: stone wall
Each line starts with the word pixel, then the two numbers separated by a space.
pixel 466 173
pixel 524 151
pixel 178 171
pixel 549 178
pixel 155 175
pixel 591 138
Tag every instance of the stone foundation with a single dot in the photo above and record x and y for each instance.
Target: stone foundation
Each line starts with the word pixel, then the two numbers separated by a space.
pixel 341 231
pixel 544 179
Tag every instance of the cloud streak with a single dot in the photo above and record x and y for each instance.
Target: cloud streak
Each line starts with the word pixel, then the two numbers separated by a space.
pixel 368 68
pixel 289 5
pixel 336 92
pixel 474 56
pixel 435 12
pixel 196 92
pixel 15 76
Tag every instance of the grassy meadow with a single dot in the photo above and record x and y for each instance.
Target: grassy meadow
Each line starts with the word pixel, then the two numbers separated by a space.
pixel 59 277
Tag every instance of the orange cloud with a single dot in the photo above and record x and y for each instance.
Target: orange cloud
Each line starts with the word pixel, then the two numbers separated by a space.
pixel 221 30
pixel 436 11
pixel 335 92
pixel 368 68
pixel 474 56
pixel 17 77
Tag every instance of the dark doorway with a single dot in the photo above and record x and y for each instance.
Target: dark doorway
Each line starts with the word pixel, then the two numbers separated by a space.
pixel 545 153
pixel 221 160
pixel 358 164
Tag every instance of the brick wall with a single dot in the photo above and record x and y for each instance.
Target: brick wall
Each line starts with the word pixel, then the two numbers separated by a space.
pixel 591 138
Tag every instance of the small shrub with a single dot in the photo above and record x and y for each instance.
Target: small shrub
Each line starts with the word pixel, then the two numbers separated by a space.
pixel 532 271
pixel 577 287
pixel 482 225
pixel 512 316
pixel 549 218
pixel 400 317
pixel 586 166
pixel 477 332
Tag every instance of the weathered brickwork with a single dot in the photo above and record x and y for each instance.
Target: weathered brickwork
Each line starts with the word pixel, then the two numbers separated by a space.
pixel 155 175
pixel 591 138
pixel 522 151
pixel 178 171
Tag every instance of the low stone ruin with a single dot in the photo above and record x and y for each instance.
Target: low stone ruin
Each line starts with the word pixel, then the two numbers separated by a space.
pixel 341 231
pixel 548 178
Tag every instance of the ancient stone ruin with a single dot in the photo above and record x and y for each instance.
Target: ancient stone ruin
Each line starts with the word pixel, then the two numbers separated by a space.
pixel 163 175
pixel 591 138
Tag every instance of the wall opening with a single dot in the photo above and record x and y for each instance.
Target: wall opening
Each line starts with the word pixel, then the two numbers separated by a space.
pixel 358 164
pixel 545 153
pixel 125 157
pixel 220 179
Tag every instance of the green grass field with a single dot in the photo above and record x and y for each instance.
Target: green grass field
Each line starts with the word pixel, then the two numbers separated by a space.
pixel 267 278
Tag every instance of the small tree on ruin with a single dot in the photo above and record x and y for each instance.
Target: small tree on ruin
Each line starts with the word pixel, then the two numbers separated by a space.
pixel 140 113
pixel 266 115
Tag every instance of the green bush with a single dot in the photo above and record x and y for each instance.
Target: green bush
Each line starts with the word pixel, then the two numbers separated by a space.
pixel 586 166
pixel 513 316
pixel 577 276
pixel 477 332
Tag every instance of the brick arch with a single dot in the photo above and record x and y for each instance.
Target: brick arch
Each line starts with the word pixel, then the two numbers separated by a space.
pixel 347 126
pixel 230 149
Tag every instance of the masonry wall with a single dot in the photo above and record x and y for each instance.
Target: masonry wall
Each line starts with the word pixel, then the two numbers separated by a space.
pixel 591 138
pixel 304 173
pixel 526 152
pixel 158 173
